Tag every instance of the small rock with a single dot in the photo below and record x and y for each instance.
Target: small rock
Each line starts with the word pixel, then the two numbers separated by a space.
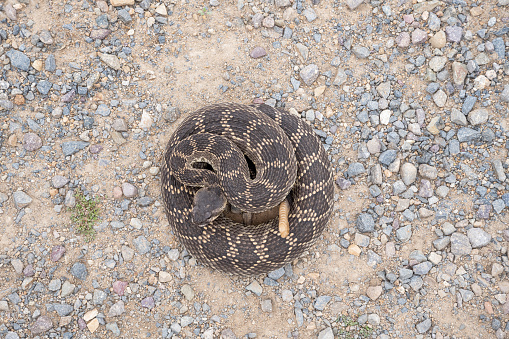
pixel 478 116
pixel 360 52
pixel 309 74
pixel 321 302
pixel 266 305
pixel 403 40
pixel 19 59
pixel 117 309
pixel 438 40
pixel 41 325
pixel 440 98
pixel 422 268
pixel 419 36
pixel 79 271
pixel 148 302
pixel 31 142
pixel 459 73
pixel 478 237
pixel 71 147
pixel 187 291
pixel 141 244
pixel 408 173
pixel 365 223
pixel 59 181
pixel 110 60
pixel 129 190
pixel 21 199
pixel 454 33
pixel 119 287
pixel 423 326
pixel 326 334
pixel 353 4
pixel 460 245
pixel 257 52
pixel 374 292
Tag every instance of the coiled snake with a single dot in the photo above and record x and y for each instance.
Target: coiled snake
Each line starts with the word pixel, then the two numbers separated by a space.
pixel 205 166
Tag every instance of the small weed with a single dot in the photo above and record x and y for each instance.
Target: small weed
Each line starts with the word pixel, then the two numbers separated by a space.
pixel 84 214
pixel 350 328
pixel 204 11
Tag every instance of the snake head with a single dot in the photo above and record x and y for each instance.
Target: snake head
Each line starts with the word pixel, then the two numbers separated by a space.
pixel 208 204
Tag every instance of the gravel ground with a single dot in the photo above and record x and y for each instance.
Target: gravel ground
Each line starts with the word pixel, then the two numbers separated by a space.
pixel 410 99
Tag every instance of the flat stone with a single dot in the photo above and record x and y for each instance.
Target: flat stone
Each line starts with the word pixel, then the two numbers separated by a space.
pixel 365 223
pixel 255 287
pixel 440 98
pixel 438 40
pixel 17 264
pixel 41 325
pixel 321 302
pixel 353 4
pixel 141 244
pixel 408 173
pixel 310 14
pixel 54 285
pixel 478 116
pixel 360 52
pixel 459 73
pixel 355 169
pixel 388 157
pixel 59 181
pixel 110 60
pixel 309 74
pixel 117 3
pixel 31 142
pixel 458 117
pixel 164 277
pixel 326 334
pixel 21 199
pixel 19 59
pixel 71 147
pixel 478 237
pixel 419 36
pixel 384 89
pixel 422 268
pixel 148 302
pixel 404 233
pixel 79 271
pixel 187 291
pixel 460 245
pixel 63 309
pixel 466 134
pixel 67 289
pixel 266 305
pixel 374 292
pixel 403 40
pixel 454 33
pixel 117 309
pixel 258 52
pixel 423 326
pixel 437 63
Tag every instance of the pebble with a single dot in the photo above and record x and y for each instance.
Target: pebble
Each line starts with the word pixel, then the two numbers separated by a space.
pixel 141 244
pixel 72 147
pixel 116 309
pixel 31 142
pixel 419 36
pixel 374 292
pixel 187 291
pixel 423 326
pixel 309 74
pixel 478 237
pixel 326 334
pixel 79 271
pixel 129 190
pixel 478 116
pixel 19 59
pixel 460 245
pixel 148 302
pixel 365 223
pixel 119 287
pixel 360 52
pixel 454 33
pixel 353 4
pixel 257 52
pixel 41 325
pixel 21 199
pixel 266 305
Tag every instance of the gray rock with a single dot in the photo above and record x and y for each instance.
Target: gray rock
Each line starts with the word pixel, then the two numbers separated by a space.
pixel 19 60
pixel 440 98
pixel 79 271
pixel 441 243
pixel 423 326
pixel 50 63
pixel 466 134
pixel 21 199
pixel 419 36
pixel 458 117
pixel 113 327
pixel 255 287
pixel 321 302
pixel 67 289
pixel 499 47
pixel 11 335
pixel 355 169
pixel 405 274
pixel 460 245
pixel 468 104
pixel 340 78
pixel 309 74
pixel 360 52
pixel 428 172
pixel 59 181
pixel 478 116
pixel 326 334
pixel 422 268
pixel 99 297
pixel 44 87
pixel 110 60
pixel 266 305
pixel 63 309
pixel 71 147
pixel 54 285
pixel 408 173
pixel 466 295
pixel 124 16
pixel 384 89
pixel 117 309
pixel 187 291
pixel 310 14
pixel 404 233
pixel 478 237
pixel 353 4
pixel 103 110
pixel 141 244
pixel 365 223
pixel 386 158
pixel 437 63
pixel 276 274
pixel 283 3
pixel 504 96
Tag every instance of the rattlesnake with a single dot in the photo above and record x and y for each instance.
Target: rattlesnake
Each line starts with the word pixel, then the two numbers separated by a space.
pixel 289 161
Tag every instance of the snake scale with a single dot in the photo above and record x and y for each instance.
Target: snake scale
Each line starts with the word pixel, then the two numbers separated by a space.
pixel 290 162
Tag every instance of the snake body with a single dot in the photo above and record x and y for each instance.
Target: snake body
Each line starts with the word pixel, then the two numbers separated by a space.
pixel 290 163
